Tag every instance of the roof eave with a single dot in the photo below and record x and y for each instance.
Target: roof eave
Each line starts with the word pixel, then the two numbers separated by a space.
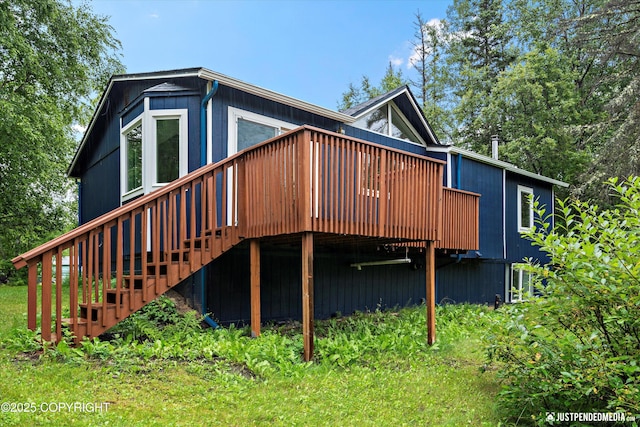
pixel 498 163
pixel 207 75
pixel 275 96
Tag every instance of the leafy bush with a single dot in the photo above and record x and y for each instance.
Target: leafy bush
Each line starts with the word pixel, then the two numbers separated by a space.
pixel 576 347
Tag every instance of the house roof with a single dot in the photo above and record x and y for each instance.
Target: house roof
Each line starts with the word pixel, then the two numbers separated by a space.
pixel 497 163
pixel 204 74
pixel 405 101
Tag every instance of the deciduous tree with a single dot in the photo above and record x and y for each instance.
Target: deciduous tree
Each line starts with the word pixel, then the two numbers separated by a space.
pixel 53 57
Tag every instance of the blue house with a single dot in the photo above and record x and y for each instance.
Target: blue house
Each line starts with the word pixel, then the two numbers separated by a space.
pixel 257 206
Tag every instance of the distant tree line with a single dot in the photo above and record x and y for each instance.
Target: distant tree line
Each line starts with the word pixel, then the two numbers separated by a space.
pixel 558 81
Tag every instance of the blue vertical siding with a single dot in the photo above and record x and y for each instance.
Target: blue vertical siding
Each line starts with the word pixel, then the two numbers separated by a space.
pixel 518 247
pixel 486 180
pixel 338 288
pixel 472 281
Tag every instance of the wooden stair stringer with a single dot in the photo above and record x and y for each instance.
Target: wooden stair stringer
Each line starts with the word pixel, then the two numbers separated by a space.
pixel 98 318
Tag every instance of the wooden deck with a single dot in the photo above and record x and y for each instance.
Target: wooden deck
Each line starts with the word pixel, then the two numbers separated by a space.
pixel 305 184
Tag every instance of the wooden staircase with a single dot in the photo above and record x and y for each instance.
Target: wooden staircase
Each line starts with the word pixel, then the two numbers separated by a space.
pixel 139 289
pixel 305 181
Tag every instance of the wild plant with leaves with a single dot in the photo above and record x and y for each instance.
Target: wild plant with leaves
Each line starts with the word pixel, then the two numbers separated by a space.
pixel 576 346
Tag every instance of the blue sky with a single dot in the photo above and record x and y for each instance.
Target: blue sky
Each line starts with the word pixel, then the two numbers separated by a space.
pixel 310 50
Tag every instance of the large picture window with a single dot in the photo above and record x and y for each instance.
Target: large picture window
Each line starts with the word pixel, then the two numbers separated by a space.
pixel 154 151
pixel 247 129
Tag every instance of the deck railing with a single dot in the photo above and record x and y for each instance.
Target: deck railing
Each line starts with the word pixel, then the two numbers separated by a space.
pixel 305 180
pixel 460 220
pixel 313 180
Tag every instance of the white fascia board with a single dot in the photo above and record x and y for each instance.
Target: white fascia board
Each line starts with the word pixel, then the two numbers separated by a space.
pixel 275 96
pixel 497 163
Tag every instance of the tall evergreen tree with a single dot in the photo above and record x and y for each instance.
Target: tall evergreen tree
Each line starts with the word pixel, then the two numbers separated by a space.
pixel 430 42
pixel 481 48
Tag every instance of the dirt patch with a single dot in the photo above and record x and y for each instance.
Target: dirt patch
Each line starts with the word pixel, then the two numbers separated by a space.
pixel 181 303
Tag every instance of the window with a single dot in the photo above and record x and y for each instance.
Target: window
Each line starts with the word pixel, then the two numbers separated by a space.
pixel 154 151
pixel 167 150
pixel 389 120
pixel 521 284
pixel 133 158
pixel 525 208
pixel 247 129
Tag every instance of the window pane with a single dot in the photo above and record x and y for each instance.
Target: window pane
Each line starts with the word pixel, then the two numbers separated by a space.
pixel 399 128
pixel 134 158
pixel 376 121
pixel 525 210
pixel 167 150
pixel 527 284
pixel 252 133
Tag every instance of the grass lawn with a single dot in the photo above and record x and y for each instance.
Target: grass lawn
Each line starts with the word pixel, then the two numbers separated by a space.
pixel 369 369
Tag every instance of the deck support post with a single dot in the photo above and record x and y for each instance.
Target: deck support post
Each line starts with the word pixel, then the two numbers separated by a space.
pixel 254 265
pixel 430 267
pixel 307 295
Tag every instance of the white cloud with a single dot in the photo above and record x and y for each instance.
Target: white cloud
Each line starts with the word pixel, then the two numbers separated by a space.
pixel 78 128
pixel 436 26
pixel 154 15
pixel 395 61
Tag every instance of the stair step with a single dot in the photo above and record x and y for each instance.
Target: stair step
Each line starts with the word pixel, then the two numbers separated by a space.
pixel 96 310
pixel 162 272
pixel 70 322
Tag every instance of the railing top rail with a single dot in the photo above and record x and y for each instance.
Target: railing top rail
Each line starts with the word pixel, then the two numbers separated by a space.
pixel 65 239
pixel 372 144
pixel 456 190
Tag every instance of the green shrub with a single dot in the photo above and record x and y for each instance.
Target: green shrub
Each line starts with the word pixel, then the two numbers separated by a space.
pixel 576 347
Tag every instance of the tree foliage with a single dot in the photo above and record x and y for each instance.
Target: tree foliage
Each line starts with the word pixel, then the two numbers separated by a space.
pixel 53 57
pixel 433 82
pixel 576 347
pixel 556 80
pixel 355 95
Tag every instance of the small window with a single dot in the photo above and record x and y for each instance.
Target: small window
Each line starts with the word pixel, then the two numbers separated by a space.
pixel 525 208
pixel 133 158
pixel 521 284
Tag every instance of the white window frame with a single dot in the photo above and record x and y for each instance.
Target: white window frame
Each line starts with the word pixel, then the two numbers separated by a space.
pixel 236 113
pixel 525 190
pixel 155 115
pixel 125 193
pixel 518 294
pixel 148 120
pixel 232 144
pixel 392 109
